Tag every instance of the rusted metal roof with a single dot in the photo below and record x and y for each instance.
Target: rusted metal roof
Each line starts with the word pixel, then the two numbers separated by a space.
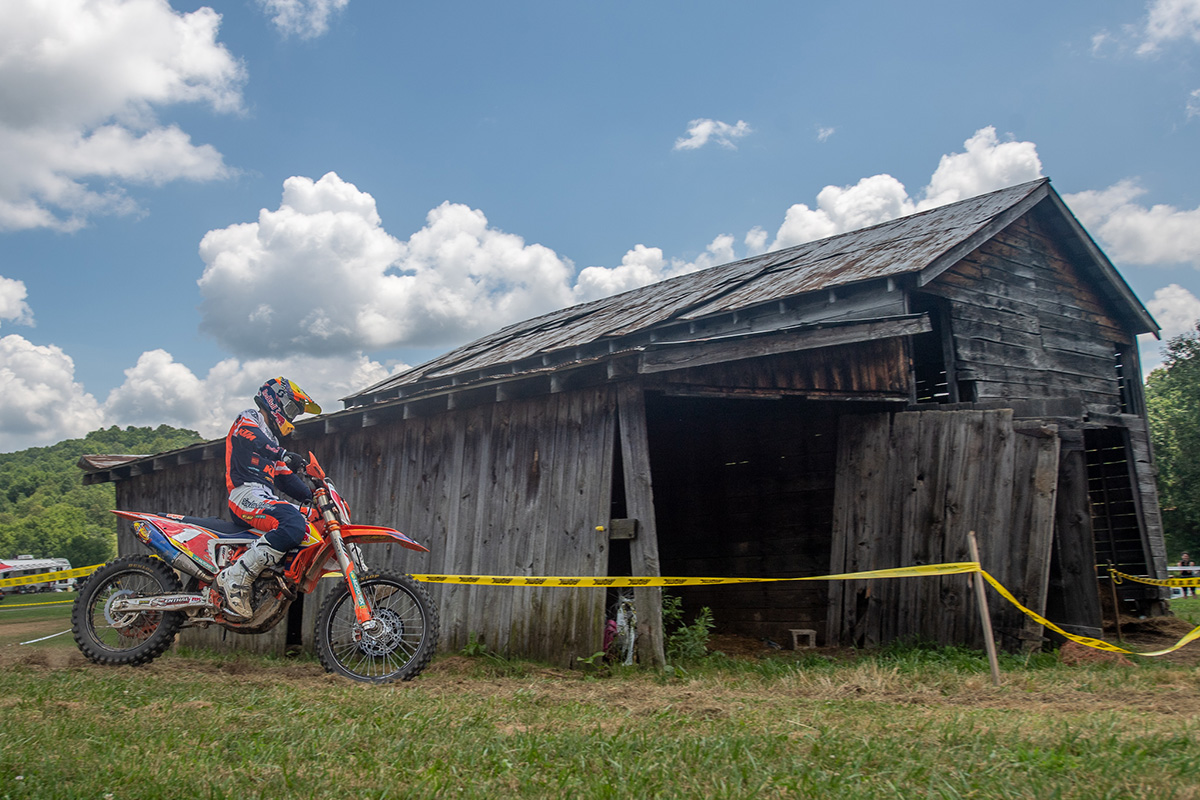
pixel 928 241
pixel 96 463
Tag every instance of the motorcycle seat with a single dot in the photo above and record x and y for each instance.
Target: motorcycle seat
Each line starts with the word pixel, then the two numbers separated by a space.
pixel 221 527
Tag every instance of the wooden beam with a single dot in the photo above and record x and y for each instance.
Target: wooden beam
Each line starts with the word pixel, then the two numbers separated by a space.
pixel 639 505
pixel 681 355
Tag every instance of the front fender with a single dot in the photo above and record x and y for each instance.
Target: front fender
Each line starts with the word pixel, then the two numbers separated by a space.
pixel 370 534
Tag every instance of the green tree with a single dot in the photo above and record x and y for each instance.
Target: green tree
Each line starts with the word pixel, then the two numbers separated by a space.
pixel 1173 403
pixel 47 512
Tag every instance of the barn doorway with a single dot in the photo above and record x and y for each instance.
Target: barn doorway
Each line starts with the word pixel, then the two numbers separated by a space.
pixel 745 488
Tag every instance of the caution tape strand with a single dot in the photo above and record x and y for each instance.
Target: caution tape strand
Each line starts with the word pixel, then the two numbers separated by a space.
pixel 951 568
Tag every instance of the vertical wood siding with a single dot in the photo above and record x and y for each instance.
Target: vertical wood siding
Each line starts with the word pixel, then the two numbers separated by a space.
pixel 512 488
pixel 910 487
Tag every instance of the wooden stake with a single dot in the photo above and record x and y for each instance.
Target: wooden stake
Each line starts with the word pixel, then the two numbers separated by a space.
pixel 989 638
pixel 1116 602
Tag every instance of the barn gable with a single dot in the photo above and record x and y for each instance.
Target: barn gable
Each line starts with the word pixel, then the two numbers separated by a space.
pixel 854 403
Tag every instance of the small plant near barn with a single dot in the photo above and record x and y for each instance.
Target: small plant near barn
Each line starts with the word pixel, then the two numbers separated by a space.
pixel 685 642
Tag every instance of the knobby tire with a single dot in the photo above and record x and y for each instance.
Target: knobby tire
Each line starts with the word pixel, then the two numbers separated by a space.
pixel 125 639
pixel 410 630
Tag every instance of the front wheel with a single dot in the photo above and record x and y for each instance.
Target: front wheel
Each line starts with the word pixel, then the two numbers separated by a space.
pixel 400 645
pixel 131 638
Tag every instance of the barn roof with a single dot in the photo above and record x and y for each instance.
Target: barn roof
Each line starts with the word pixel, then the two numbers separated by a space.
pixel 917 247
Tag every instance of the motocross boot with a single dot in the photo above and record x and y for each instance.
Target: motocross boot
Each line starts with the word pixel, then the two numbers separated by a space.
pixel 234 582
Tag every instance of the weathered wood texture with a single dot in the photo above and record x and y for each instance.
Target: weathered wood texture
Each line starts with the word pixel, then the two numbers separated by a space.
pixel 744 488
pixel 639 505
pixel 909 488
pixel 866 369
pixel 516 488
pixel 1027 325
pixel 512 488
pixel 1074 600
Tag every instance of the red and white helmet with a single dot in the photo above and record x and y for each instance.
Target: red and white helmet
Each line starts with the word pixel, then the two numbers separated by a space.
pixel 282 401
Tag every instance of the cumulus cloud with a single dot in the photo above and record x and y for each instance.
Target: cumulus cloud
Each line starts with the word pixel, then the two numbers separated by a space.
pixel 1168 21
pixel 985 165
pixel 320 275
pixel 42 401
pixel 1175 309
pixel 44 404
pixel 305 19
pixel 160 390
pixel 1132 233
pixel 645 265
pixel 12 302
pixel 79 86
pixel 701 131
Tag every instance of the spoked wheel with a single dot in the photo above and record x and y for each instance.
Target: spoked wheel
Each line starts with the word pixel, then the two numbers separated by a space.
pixel 113 637
pixel 397 648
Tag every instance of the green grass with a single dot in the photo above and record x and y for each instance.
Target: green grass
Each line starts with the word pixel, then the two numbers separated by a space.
pixel 1187 608
pixel 33 616
pixel 899 723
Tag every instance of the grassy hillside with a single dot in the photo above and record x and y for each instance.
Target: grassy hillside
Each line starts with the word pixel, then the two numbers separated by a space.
pixel 47 512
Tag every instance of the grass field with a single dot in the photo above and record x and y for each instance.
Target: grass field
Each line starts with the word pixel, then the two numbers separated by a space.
pixel 899 723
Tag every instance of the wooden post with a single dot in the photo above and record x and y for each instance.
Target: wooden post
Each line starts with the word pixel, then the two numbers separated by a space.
pixel 1112 583
pixel 989 638
pixel 639 505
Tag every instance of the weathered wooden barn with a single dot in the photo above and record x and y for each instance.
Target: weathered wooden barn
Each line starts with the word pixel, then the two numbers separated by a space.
pixel 855 403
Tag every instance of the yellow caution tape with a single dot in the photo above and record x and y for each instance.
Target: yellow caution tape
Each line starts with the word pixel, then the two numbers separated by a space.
pixel 47 577
pixel 1086 640
pixel 1120 577
pixel 637 583
pixel 952 568
pixel 7 606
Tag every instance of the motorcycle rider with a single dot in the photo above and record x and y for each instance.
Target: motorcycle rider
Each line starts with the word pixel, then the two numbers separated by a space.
pixel 255 464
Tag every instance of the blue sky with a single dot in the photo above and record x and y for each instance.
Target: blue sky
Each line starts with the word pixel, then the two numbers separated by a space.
pixel 195 198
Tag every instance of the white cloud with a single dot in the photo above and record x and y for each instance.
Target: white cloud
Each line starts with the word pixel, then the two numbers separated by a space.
pixel 79 85
pixel 1135 234
pixel 986 164
pixel 12 302
pixel 320 275
pixel 1193 104
pixel 701 131
pixel 645 265
pixel 1170 20
pixel 1175 309
pixel 306 19
pixel 42 402
pixel 160 390
pixel 824 133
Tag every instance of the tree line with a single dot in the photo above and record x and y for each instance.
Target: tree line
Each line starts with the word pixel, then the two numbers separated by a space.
pixel 47 512
pixel 1173 405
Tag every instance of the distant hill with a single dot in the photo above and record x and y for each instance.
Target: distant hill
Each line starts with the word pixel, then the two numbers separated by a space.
pixel 47 512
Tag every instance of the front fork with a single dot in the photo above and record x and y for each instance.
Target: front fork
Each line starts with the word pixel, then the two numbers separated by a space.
pixel 333 529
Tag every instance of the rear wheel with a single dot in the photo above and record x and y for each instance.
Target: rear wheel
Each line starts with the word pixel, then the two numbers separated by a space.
pixel 400 645
pixel 131 638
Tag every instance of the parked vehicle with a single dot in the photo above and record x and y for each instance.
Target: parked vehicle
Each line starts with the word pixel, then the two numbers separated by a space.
pixel 375 627
pixel 26 565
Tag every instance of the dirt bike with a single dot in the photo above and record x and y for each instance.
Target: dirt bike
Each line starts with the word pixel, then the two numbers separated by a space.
pixel 375 626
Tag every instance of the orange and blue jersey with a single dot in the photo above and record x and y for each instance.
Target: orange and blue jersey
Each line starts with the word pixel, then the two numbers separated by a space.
pixel 254 455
